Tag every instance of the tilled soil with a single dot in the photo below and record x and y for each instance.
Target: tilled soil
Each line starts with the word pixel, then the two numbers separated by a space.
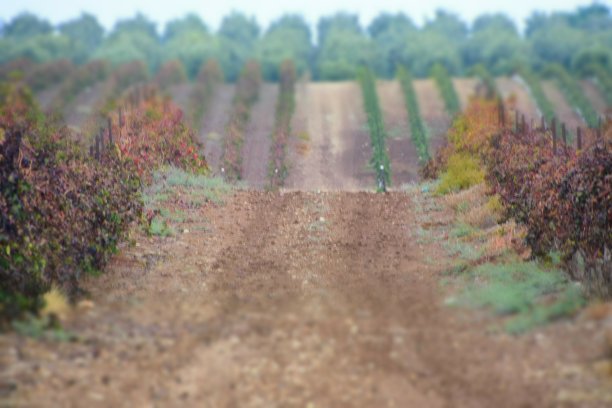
pixel 564 112
pixel 180 94
pixel 214 123
pixel 331 125
pixel 294 299
pixel 517 90
pixel 433 112
pixel 595 97
pixel 258 137
pixel 80 111
pixel 402 153
pixel 466 89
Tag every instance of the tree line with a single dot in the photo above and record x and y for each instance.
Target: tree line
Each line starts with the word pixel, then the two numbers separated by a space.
pixel 576 40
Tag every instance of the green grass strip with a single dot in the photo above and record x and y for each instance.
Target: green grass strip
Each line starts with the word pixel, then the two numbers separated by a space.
pixel 574 94
pixel 447 89
pixel 533 83
pixel 418 132
pixel 380 160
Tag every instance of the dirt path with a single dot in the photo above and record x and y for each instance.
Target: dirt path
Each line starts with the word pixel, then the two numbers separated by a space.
pixel 466 89
pixel 213 125
pixel 80 111
pixel 563 111
pixel 595 97
pixel 402 153
pixel 180 95
pixel 336 148
pixel 433 112
pixel 514 89
pixel 295 299
pixel 257 143
pixel 47 96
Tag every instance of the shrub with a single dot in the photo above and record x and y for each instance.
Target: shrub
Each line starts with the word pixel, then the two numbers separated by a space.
pixel 83 77
pixel 563 199
pixel 418 132
pixel 171 73
pixel 121 79
pixel 20 66
pixel 61 213
pixel 447 89
pixel 42 76
pixel 380 159
pixel 462 171
pixel 282 127
pixel 151 133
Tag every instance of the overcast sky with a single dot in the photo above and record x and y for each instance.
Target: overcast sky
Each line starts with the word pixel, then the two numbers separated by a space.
pixel 108 11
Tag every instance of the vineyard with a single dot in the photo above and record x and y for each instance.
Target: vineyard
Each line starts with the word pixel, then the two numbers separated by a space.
pixel 191 235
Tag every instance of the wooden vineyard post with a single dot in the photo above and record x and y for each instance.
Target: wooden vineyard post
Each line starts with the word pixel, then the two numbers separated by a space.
pixel 523 124
pixel 97 146
pixel 516 121
pixel 599 134
pixel 502 114
pixel 543 125
pixel 110 131
pixel 554 134
pixel 579 138
pixel 564 134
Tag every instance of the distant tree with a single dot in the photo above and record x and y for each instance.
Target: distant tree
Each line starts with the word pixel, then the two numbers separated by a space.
pixel 188 24
pixel 447 25
pixel 288 38
pixel 238 35
pixel 85 34
pixel 390 33
pixel 131 39
pixel 339 21
pixel 27 25
pixel 137 24
pixel 344 48
pixel 428 48
pixel 188 40
pixel 556 41
pixel 494 42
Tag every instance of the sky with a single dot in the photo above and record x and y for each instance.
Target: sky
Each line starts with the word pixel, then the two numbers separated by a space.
pixel 265 11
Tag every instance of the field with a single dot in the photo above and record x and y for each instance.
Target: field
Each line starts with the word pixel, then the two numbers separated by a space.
pixel 321 292
pixel 331 146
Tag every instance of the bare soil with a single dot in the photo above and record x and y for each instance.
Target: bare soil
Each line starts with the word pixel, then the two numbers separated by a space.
pixel 79 112
pixel 563 111
pixel 303 299
pixel 213 125
pixel 258 141
pixel 595 97
pixel 466 89
pixel 514 89
pixel 46 97
pixel 433 112
pixel 180 95
pixel 335 143
pixel 402 153
pixel 296 299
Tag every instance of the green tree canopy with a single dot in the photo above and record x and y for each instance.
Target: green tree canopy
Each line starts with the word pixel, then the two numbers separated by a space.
pixel 238 35
pixel 85 34
pixel 288 38
pixel 26 25
pixel 390 33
